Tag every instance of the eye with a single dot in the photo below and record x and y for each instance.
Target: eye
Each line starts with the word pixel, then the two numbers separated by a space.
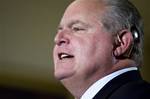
pixel 76 29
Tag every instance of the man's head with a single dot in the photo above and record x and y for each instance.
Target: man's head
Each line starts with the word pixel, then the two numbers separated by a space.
pixel 82 45
pixel 94 39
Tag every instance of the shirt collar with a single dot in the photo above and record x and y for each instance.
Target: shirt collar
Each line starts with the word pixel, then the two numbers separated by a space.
pixel 98 85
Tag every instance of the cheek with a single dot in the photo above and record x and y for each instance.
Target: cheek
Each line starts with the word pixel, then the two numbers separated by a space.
pixel 91 53
pixel 93 50
pixel 103 52
pixel 84 50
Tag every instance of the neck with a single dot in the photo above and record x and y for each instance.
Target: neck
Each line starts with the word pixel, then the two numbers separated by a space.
pixel 77 85
pixel 121 64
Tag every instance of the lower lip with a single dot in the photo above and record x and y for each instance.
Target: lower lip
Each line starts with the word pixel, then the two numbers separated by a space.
pixel 64 61
pixel 66 58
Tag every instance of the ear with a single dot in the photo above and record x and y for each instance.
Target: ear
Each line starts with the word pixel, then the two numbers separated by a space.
pixel 123 42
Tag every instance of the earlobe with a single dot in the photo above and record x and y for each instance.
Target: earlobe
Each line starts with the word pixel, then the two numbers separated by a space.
pixel 123 43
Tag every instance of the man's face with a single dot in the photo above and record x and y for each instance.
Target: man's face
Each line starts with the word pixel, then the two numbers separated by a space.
pixel 82 47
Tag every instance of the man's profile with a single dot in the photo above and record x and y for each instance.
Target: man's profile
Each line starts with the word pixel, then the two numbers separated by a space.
pixel 99 49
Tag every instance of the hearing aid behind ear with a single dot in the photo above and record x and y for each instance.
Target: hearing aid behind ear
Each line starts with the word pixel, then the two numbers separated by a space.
pixel 135 34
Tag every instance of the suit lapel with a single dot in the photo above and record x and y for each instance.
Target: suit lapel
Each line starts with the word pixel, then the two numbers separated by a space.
pixel 116 83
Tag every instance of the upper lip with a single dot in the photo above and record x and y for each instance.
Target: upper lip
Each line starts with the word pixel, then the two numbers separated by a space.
pixel 63 55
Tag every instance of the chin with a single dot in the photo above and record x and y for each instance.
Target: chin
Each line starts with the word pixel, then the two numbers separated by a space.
pixel 62 75
pixel 58 76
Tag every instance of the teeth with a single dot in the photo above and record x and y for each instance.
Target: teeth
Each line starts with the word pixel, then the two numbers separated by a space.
pixel 64 55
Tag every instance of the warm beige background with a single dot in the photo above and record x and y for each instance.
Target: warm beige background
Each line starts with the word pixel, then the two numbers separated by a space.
pixel 27 29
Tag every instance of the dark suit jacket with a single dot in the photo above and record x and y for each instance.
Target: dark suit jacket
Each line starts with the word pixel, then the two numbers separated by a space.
pixel 126 86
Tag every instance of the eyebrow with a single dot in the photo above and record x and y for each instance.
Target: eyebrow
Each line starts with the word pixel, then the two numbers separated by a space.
pixel 77 22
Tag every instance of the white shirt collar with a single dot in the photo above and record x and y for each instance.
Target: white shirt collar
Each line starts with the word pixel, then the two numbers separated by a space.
pixel 97 86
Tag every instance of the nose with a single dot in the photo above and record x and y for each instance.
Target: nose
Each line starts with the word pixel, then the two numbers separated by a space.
pixel 61 38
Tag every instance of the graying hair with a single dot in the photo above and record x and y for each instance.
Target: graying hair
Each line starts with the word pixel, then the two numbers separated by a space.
pixel 122 14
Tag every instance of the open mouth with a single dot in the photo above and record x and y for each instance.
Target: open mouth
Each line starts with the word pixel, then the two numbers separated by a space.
pixel 62 56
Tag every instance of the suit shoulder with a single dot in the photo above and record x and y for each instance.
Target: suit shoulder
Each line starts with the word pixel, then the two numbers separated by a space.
pixel 133 90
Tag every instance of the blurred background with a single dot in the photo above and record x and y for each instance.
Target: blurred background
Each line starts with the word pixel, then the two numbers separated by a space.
pixel 27 29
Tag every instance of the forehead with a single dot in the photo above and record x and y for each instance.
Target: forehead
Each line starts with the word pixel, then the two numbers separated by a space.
pixel 81 8
pixel 87 6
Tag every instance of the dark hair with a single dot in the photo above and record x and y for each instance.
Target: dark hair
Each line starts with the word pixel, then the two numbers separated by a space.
pixel 122 14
